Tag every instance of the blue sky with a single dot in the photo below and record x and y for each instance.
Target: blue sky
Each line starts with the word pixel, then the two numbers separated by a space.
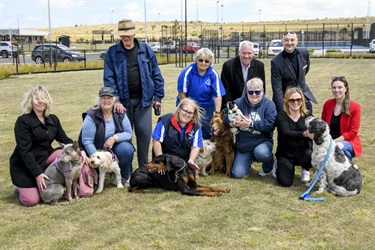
pixel 34 13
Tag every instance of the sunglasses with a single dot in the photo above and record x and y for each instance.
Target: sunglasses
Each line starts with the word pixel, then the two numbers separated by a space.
pixel 292 101
pixel 202 60
pixel 289 32
pixel 338 78
pixel 186 112
pixel 256 92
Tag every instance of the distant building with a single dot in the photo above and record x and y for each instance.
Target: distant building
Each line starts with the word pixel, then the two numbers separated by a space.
pixel 23 35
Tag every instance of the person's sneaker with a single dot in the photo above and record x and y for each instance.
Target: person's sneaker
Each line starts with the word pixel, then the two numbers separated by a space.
pixel 126 183
pixel 262 173
pixel 305 175
pixel 274 170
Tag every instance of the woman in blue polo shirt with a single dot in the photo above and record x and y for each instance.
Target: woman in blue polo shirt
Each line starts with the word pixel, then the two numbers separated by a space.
pixel 180 133
pixel 201 82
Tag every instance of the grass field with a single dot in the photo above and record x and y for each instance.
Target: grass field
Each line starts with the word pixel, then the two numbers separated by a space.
pixel 256 214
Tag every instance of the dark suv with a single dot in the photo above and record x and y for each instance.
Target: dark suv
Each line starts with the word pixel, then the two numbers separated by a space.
pixel 60 53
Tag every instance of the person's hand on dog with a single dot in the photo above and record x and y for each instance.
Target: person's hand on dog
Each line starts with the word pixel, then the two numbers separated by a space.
pixel 86 159
pixel 40 181
pixel 241 123
pixel 193 165
pixel 308 134
pixel 118 107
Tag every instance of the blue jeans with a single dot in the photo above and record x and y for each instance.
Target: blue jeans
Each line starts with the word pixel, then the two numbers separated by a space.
pixel 347 149
pixel 206 120
pixel 125 153
pixel 242 161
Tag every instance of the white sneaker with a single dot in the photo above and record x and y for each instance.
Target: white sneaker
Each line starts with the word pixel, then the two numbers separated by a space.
pixel 125 182
pixel 262 173
pixel 305 175
pixel 274 169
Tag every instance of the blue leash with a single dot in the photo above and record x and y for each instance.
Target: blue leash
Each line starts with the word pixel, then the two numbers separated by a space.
pixel 305 196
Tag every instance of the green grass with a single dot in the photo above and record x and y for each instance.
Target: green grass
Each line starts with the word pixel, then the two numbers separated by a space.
pixel 256 214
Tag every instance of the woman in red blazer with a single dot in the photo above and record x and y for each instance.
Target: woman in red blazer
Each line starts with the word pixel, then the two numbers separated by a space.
pixel 344 118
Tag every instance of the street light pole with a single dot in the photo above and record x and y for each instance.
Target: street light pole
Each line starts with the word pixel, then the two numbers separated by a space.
pixel 145 22
pixel 259 10
pixel 222 11
pixel 49 35
pixel 112 38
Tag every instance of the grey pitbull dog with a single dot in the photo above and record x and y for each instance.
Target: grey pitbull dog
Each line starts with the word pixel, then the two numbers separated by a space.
pixel 63 172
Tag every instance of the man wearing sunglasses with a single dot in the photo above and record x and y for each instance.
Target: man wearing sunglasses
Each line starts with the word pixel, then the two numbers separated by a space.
pixel 288 69
pixel 237 71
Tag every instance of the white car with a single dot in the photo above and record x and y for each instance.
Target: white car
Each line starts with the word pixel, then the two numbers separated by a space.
pixel 275 47
pixel 257 49
pixel 155 46
pixel 372 46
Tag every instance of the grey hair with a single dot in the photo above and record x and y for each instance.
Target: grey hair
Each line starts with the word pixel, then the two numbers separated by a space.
pixel 207 52
pixel 245 44
pixel 97 103
pixel 254 83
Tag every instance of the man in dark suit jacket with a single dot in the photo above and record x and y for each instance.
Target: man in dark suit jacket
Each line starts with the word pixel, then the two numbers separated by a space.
pixel 237 71
pixel 288 69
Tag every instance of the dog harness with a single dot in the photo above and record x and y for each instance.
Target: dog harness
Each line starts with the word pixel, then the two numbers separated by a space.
pixel 305 196
pixel 61 168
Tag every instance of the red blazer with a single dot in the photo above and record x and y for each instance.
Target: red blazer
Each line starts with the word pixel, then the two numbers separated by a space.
pixel 349 125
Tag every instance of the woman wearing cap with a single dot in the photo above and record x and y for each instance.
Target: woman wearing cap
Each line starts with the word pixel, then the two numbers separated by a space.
pixel 103 128
pixel 35 130
pixel 344 118
pixel 294 142
pixel 201 82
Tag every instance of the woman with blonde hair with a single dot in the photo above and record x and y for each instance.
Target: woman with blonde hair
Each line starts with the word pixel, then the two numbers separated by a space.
pixel 294 145
pixel 180 133
pixel 35 130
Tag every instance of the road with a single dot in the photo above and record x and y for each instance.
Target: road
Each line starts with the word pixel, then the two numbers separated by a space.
pixel 94 56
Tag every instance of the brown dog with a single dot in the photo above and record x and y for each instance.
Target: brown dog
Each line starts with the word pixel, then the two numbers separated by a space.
pixel 223 156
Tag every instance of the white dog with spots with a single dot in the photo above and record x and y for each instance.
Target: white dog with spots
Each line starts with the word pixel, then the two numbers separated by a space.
pixel 339 176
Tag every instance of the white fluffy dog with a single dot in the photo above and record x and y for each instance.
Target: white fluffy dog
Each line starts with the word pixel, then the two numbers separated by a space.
pixel 205 156
pixel 107 163
pixel 339 176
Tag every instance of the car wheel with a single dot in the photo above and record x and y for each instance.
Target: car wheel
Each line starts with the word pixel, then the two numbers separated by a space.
pixel 66 59
pixel 4 54
pixel 38 60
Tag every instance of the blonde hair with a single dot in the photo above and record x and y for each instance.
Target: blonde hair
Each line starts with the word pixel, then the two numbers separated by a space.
pixel 255 83
pixel 37 93
pixel 198 111
pixel 290 91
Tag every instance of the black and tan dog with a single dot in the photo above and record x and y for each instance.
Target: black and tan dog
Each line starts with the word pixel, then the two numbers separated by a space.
pixel 178 177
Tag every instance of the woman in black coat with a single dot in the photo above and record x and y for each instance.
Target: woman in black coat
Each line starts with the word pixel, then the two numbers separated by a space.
pixel 35 130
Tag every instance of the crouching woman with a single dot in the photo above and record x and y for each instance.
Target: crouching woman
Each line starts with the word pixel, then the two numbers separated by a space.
pixel 103 128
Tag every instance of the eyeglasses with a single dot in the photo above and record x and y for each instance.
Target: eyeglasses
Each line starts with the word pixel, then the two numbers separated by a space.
pixel 289 32
pixel 292 101
pixel 256 92
pixel 202 60
pixel 186 112
pixel 338 78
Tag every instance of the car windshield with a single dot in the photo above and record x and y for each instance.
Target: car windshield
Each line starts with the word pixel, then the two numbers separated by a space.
pixel 276 44
pixel 63 47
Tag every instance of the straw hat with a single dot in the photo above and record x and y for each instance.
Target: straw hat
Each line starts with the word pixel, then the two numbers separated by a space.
pixel 126 27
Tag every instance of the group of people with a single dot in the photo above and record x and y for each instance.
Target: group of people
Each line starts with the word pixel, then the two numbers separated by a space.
pixel 133 86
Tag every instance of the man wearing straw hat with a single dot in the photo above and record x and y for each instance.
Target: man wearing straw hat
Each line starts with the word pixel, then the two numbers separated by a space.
pixel 131 69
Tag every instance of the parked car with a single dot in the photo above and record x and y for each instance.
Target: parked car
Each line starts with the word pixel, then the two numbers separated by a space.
pixel 372 46
pixel 155 46
pixel 191 47
pixel 8 48
pixel 275 47
pixel 102 54
pixel 257 49
pixel 60 53
pixel 169 46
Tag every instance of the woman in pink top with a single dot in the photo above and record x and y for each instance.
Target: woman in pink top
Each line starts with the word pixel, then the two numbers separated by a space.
pixel 344 118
